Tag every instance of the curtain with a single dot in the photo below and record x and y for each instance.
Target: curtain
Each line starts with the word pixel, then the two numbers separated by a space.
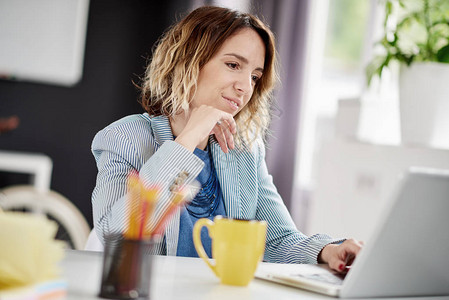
pixel 288 20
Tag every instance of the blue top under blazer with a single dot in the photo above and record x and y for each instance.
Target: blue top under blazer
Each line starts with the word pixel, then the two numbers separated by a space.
pixel 145 144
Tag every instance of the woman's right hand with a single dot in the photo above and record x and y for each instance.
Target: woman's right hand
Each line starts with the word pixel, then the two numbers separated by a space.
pixel 340 256
pixel 204 121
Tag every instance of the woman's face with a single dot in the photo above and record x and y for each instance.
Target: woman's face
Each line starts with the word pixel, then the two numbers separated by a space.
pixel 227 80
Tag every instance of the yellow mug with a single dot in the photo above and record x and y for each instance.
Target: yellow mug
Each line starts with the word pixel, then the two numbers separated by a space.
pixel 237 247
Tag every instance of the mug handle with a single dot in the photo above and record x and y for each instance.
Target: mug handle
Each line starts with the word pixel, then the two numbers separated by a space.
pixel 199 245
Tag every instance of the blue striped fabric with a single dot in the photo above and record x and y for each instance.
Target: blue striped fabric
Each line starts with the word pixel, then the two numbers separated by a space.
pixel 145 144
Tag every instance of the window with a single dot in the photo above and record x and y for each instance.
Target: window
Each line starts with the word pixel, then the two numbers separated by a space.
pixel 340 40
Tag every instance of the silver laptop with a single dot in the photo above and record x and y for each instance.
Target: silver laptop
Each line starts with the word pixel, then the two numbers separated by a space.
pixel 408 254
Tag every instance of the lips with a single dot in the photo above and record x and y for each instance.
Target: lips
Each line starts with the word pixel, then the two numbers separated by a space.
pixel 234 103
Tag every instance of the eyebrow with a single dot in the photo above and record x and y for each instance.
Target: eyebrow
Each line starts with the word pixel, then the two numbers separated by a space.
pixel 243 59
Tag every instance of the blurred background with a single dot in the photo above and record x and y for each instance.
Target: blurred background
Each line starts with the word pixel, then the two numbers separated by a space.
pixel 335 152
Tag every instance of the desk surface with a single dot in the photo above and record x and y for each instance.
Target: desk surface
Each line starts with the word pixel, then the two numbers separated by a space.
pixel 176 278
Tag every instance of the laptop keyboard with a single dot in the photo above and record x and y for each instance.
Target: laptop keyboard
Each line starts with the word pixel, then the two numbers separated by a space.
pixel 324 277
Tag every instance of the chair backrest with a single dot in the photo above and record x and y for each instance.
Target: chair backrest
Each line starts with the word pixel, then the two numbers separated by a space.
pixel 72 226
pixel 93 242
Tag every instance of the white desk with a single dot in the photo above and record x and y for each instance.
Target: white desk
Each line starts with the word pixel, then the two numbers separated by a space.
pixel 177 278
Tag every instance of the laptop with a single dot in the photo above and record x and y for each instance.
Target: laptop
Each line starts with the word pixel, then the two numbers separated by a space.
pixel 407 255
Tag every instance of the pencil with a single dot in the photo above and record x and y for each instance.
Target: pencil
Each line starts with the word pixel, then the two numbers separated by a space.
pixel 134 188
pixel 149 196
pixel 177 200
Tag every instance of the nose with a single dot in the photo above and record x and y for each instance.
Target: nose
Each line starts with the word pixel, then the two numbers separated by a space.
pixel 244 84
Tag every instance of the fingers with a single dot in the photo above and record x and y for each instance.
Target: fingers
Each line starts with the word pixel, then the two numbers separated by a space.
pixel 337 265
pixel 337 261
pixel 224 129
pixel 352 246
pixel 203 121
pixel 218 132
pixel 230 122
pixel 344 255
pixel 222 132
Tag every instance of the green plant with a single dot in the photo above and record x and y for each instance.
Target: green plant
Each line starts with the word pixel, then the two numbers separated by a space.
pixel 415 30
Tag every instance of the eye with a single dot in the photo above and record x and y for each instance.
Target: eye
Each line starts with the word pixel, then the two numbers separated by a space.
pixel 255 78
pixel 232 65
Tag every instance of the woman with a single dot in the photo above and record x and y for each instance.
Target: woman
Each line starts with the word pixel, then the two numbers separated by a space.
pixel 206 94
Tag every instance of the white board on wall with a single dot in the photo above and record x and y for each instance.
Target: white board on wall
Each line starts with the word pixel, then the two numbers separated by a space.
pixel 43 40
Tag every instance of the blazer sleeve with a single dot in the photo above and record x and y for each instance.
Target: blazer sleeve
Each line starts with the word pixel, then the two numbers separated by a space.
pixel 130 147
pixel 285 243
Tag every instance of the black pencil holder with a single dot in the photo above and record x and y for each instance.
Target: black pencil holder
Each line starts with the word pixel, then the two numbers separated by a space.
pixel 127 268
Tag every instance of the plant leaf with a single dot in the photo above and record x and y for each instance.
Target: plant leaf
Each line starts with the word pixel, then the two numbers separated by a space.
pixel 443 54
pixel 419 31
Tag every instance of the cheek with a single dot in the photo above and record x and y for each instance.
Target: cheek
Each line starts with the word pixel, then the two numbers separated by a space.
pixel 248 99
pixel 202 91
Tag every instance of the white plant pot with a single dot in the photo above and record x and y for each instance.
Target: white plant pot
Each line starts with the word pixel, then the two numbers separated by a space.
pixel 424 104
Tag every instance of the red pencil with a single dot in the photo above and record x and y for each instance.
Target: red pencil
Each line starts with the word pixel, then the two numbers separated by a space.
pixel 178 199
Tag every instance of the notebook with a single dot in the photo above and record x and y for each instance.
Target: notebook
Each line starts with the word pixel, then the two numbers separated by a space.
pixel 407 255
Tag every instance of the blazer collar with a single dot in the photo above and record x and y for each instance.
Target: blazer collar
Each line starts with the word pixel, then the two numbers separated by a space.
pixel 161 129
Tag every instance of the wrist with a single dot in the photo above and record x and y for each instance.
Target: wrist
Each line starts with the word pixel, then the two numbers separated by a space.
pixel 186 143
pixel 323 256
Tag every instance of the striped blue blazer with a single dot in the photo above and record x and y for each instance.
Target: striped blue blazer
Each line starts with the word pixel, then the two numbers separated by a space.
pixel 145 144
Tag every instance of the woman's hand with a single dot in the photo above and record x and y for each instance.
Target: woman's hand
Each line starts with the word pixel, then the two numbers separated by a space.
pixel 205 120
pixel 338 257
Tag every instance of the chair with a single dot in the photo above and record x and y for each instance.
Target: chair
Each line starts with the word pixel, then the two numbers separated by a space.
pixel 39 199
pixel 72 226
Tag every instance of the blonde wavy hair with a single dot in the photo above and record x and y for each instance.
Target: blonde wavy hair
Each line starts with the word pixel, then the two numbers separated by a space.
pixel 171 76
